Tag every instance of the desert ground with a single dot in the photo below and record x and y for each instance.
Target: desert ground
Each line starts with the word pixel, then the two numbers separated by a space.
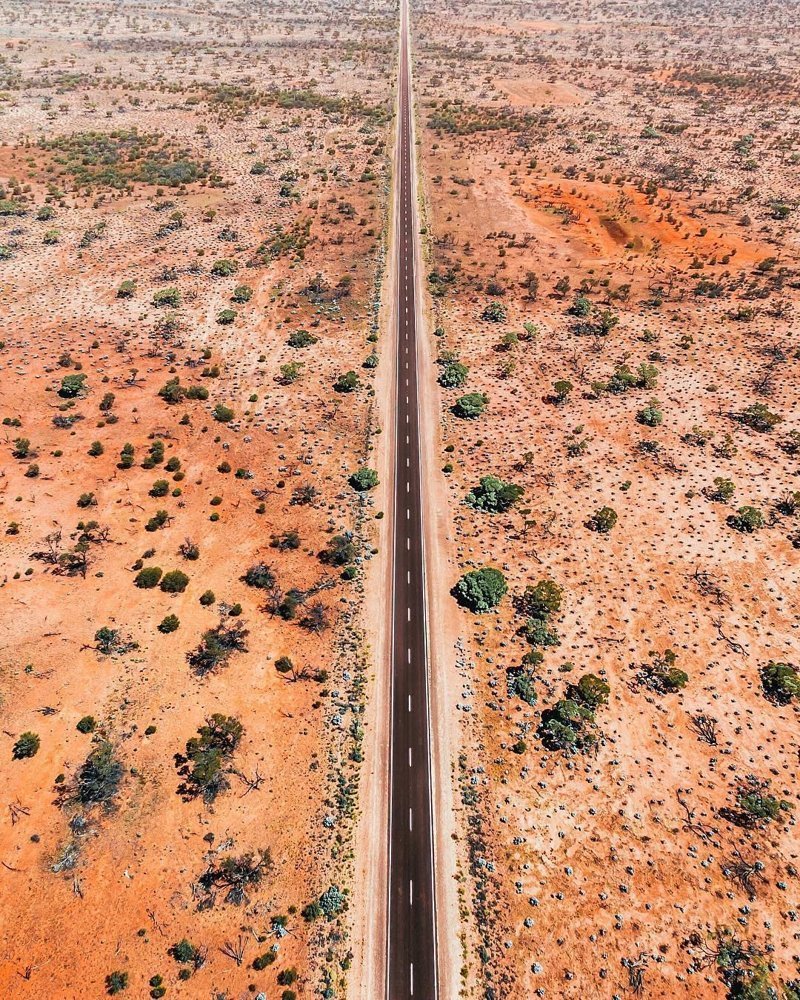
pixel 193 220
pixel 612 267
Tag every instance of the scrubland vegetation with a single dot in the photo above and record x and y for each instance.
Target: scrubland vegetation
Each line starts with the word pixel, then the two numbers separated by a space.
pixel 192 232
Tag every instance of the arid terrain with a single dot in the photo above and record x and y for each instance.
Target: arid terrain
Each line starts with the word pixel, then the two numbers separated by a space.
pixel 196 344
pixel 612 262
pixel 193 213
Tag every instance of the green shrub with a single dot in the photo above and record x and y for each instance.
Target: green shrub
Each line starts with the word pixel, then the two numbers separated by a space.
pixel 493 495
pixel 174 582
pixel 747 520
pixel 148 577
pixel 480 590
pixel 453 375
pixel 302 338
pixel 348 382
pixel 223 414
pixel 86 725
pixel 259 575
pixel 169 624
pixel 72 386
pixel 160 488
pixel 264 961
pixel 781 682
pixel 207 598
pixel 363 480
pixel 99 777
pixel 650 415
pixel 167 297
pixel 26 746
pixel 603 520
pixel 471 405
pixel 116 982
pixel 758 417
pixel 224 268
pixel 494 312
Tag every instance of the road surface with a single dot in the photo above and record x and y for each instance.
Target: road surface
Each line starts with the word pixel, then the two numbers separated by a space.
pixel 411 932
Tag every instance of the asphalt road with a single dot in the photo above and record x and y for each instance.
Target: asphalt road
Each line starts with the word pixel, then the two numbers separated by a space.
pixel 411 936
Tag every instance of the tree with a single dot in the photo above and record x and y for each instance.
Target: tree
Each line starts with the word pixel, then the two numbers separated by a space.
pixel 471 405
pixel 493 495
pixel 238 874
pixel 480 590
pixel 26 746
pixel 217 646
pixel 603 520
pixel 781 682
pixel 542 600
pixel 207 755
pixel 341 550
pixel 590 691
pixel 363 480
pixel 99 777
pixel 172 391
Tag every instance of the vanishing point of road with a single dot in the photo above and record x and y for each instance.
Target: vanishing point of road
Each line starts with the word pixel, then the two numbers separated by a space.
pixel 411 932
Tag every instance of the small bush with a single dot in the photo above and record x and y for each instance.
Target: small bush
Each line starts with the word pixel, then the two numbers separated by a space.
pixel 747 520
pixel 148 577
pixel 116 982
pixel 363 480
pixel 169 624
pixel 26 746
pixel 174 582
pixel 471 405
pixel 223 414
pixel 603 520
pixel 781 682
